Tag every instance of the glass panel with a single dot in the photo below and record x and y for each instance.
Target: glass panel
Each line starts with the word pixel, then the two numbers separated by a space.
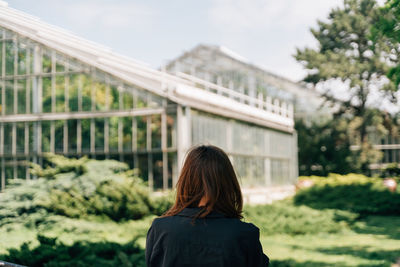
pixel 7 138
pixel 127 133
pixel 141 132
pixel 171 130
pixel 72 134
pixel 10 51
pixel 60 63
pixel 127 99
pixel 140 99
pixel 1 95
pixel 60 93
pixel 157 170
pixel 59 136
pixel 85 125
pixel 31 137
pixel 143 166
pixel 9 96
pixel 113 136
pixel 99 134
pixel 45 136
pixel 46 89
pixel 22 61
pixel 156 131
pixel 21 170
pixel 46 61
pixel 20 137
pixel 86 83
pixel 114 97
pixel 1 57
pixel 21 88
pixel 73 92
pixel 100 95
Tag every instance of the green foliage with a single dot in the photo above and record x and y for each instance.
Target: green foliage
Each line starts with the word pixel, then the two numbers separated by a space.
pixel 52 253
pixel 391 170
pixel 324 147
pixel 285 218
pixel 346 54
pixel 163 203
pixel 387 28
pixel 352 192
pixel 79 189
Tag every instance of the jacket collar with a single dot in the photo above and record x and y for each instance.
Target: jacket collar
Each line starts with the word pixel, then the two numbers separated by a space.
pixel 191 212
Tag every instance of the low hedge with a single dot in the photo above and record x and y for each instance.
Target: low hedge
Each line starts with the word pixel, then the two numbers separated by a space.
pixel 352 192
pixel 283 217
pixel 51 253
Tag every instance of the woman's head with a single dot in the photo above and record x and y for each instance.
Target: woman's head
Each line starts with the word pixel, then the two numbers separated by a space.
pixel 209 175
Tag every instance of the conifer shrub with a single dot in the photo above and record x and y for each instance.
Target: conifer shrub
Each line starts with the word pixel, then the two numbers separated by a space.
pixel 352 192
pixel 78 188
pixel 283 217
pixel 52 253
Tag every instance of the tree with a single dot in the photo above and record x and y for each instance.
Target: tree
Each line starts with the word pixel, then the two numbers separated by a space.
pixel 346 54
pixel 388 27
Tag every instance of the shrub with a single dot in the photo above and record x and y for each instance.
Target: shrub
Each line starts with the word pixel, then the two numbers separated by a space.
pixel 352 192
pixel 52 253
pixel 284 218
pixel 78 189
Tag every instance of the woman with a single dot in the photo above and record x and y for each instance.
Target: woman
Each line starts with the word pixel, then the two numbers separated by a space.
pixel 203 227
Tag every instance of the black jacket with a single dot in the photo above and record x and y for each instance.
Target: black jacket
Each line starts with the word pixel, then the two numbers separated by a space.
pixel 212 241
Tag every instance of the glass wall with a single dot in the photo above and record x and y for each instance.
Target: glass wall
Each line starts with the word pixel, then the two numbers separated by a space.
pixel 50 102
pixel 261 156
pixel 53 103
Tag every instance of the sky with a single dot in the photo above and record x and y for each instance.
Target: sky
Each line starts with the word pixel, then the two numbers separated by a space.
pixel 266 32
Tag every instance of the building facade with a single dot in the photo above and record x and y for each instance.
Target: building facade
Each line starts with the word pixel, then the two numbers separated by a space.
pixel 62 94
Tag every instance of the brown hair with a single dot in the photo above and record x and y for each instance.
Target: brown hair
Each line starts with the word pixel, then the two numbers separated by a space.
pixel 208 172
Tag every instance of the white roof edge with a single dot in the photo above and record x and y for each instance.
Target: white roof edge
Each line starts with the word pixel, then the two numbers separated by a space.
pixel 233 54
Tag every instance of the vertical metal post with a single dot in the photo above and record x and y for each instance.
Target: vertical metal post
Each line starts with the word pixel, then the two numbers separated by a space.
pixel 26 141
pixel 3 74
pixel 15 111
pixel 106 135
pixel 2 173
pixel 65 137
pixel 164 145
pixel 184 134
pixel 36 100
pixel 14 139
pixel 120 135
pixel 107 93
pixel 149 153
pixel 92 136
pixel 78 137
pixel 53 81
pixel 28 84
pixel 80 92
pixel 52 137
pixel 134 142
pixel 66 88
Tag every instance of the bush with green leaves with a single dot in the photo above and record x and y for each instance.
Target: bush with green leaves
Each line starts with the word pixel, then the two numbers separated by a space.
pixel 78 189
pixel 51 253
pixel 285 218
pixel 352 192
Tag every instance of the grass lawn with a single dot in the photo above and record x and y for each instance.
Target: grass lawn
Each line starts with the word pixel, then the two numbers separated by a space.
pixel 374 241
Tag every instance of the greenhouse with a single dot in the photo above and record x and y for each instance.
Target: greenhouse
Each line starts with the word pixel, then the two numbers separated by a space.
pixel 62 94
